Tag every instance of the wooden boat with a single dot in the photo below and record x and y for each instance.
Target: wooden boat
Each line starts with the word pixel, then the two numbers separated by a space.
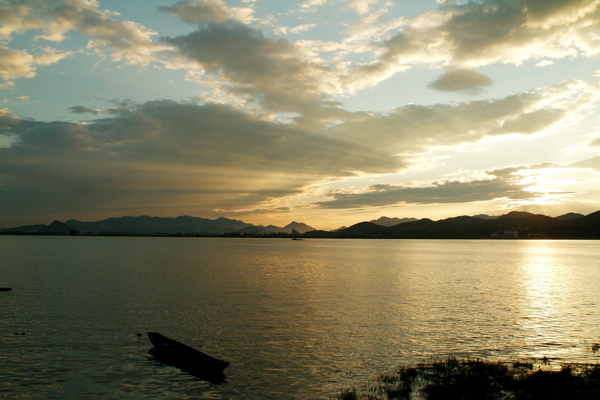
pixel 5 289
pixel 187 358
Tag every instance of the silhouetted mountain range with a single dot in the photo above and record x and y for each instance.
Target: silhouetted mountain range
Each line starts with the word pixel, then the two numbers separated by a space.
pixel 385 221
pixel 145 225
pixel 512 225
pixel 515 224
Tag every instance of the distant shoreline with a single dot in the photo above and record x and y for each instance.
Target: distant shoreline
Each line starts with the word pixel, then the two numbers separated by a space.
pixel 285 236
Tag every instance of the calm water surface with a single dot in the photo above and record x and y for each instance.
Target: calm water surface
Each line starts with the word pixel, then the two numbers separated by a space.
pixel 296 319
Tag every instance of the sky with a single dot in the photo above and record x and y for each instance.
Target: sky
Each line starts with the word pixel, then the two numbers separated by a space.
pixel 327 112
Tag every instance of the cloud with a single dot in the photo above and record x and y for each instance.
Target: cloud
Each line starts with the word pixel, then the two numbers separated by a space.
pixel 518 184
pixel 214 156
pixel 545 183
pixel 414 128
pixel 208 11
pixel 210 157
pixel 175 155
pixel 272 72
pixel 80 109
pixel 592 163
pixel 362 6
pixel 18 17
pixel 302 28
pixel 311 4
pixel 358 6
pixel 461 80
pixel 437 193
pixel 16 64
pixel 125 40
pixel 477 33
pixel 242 65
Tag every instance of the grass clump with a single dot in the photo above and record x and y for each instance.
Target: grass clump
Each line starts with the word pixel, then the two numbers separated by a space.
pixel 474 379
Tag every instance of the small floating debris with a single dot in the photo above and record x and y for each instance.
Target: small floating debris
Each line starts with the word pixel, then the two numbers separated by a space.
pixel 5 289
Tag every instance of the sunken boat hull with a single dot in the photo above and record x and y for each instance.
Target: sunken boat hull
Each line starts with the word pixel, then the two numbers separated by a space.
pixel 186 358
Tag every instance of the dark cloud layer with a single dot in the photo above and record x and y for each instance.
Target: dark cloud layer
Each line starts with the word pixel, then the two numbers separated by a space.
pixel 81 109
pixel 273 72
pixel 162 152
pixel 439 193
pixel 461 80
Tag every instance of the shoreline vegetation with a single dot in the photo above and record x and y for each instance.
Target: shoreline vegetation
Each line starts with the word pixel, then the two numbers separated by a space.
pixel 476 379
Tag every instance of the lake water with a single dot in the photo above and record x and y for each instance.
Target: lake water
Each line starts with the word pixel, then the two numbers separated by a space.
pixel 296 319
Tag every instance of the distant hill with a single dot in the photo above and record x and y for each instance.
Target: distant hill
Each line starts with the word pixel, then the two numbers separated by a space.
pixel 157 225
pixel 521 220
pixel 146 225
pixel 362 229
pixel 298 227
pixel 289 228
pixel 593 218
pixel 385 221
pixel 515 224
pixel 485 216
pixel 26 229
pixel 56 227
pixel 569 216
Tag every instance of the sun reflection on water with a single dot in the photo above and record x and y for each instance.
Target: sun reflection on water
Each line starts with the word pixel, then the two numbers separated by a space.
pixel 547 286
pixel 540 275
